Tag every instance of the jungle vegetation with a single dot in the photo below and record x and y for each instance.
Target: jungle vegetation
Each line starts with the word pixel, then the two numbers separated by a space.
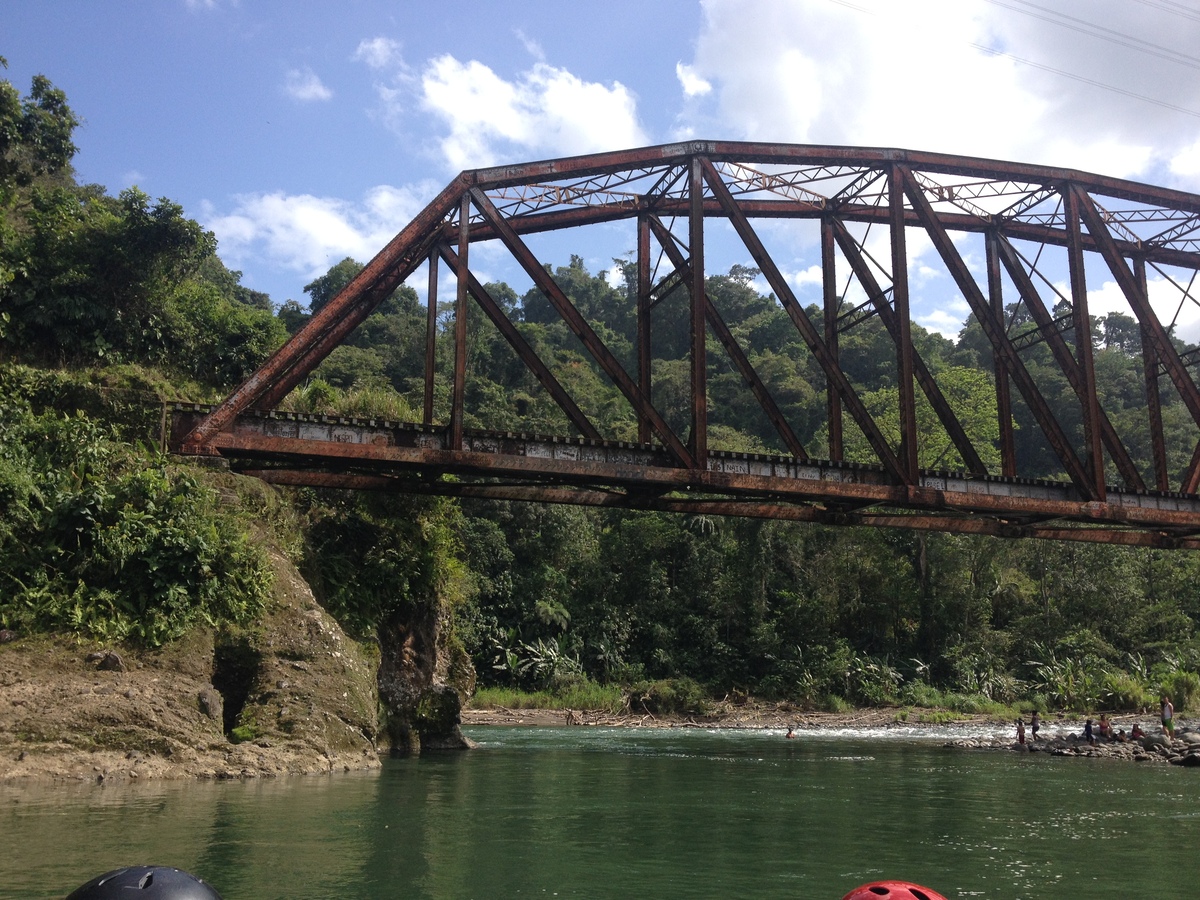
pixel 109 305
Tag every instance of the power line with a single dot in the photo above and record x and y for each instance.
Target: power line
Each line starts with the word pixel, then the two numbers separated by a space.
pixel 1099 31
pixel 1167 5
pixel 1177 8
pixel 1084 80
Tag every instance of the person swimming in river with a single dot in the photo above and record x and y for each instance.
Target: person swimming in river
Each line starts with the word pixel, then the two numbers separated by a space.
pixel 791 733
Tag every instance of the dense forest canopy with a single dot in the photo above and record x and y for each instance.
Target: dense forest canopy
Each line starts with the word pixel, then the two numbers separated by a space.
pixel 109 304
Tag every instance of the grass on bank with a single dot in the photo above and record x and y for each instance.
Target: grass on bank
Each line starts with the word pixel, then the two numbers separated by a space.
pixel 668 697
pixel 591 696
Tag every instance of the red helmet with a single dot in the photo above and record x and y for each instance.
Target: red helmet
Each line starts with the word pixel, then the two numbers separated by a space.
pixel 892 890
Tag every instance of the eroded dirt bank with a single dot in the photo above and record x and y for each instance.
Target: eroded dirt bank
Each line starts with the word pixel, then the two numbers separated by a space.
pixel 291 694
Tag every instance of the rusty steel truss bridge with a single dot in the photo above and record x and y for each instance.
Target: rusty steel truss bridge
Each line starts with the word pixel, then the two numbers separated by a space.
pixel 1020 216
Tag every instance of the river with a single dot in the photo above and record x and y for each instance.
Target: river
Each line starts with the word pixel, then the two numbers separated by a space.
pixel 663 813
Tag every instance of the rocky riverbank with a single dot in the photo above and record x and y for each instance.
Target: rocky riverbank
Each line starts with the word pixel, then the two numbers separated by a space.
pixel 1184 750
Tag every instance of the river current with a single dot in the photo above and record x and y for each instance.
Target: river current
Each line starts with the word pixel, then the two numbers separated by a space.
pixel 662 813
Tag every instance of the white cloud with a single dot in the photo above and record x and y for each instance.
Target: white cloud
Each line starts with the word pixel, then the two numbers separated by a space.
pixel 1186 163
pixel 916 75
pixel 1164 299
pixel 813 275
pixel 379 53
pixel 948 320
pixel 546 110
pixel 306 234
pixel 484 118
pixel 693 85
pixel 532 47
pixel 305 86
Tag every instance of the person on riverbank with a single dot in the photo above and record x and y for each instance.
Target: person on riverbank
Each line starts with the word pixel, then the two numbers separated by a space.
pixel 1137 734
pixel 1020 731
pixel 1168 718
pixel 1088 734
pixel 1034 724
pixel 1105 727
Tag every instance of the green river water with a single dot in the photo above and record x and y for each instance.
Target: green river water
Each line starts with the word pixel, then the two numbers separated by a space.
pixel 588 812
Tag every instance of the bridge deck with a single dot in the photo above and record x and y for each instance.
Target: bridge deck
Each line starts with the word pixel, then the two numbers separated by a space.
pixel 371 453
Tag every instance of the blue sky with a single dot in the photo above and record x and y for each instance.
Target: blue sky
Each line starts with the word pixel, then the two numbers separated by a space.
pixel 303 133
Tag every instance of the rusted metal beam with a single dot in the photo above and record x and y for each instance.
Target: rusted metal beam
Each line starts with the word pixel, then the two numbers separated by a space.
pixel 1083 349
pixel 582 330
pixel 751 153
pixel 1008 450
pixel 1164 349
pixel 833 372
pixel 1048 327
pixel 526 353
pixel 1158 448
pixel 891 321
pixel 698 355
pixel 727 474
pixel 831 303
pixel 719 507
pixel 732 347
pixel 902 332
pixel 458 392
pixel 994 330
pixel 430 337
pixel 326 329
pixel 644 352
pixel 848 212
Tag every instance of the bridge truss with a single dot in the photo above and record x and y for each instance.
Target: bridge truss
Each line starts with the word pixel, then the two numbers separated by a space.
pixel 1024 216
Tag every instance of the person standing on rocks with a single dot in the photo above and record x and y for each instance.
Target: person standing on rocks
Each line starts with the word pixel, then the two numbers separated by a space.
pixel 1168 717
pixel 1034 724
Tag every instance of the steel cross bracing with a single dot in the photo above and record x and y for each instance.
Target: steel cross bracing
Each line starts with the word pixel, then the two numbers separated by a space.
pixel 1008 237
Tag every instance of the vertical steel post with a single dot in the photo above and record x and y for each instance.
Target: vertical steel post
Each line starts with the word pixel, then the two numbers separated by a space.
pixel 699 441
pixel 1153 398
pixel 643 321
pixel 431 336
pixel 1008 451
pixel 904 349
pixel 833 399
pixel 1093 442
pixel 460 326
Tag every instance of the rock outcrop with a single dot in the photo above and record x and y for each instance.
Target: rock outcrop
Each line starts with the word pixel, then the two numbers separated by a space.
pixel 289 694
pixel 1184 750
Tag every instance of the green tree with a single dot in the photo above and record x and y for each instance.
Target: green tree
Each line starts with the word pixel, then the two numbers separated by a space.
pixel 323 289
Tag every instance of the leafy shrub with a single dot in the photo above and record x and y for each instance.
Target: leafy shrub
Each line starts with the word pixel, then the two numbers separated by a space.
pixel 103 541
pixel 918 693
pixel 1181 687
pixel 677 696
pixel 1122 690
pixel 835 704
pixel 1070 683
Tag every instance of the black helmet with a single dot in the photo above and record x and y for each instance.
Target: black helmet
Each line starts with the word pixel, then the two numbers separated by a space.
pixel 157 883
